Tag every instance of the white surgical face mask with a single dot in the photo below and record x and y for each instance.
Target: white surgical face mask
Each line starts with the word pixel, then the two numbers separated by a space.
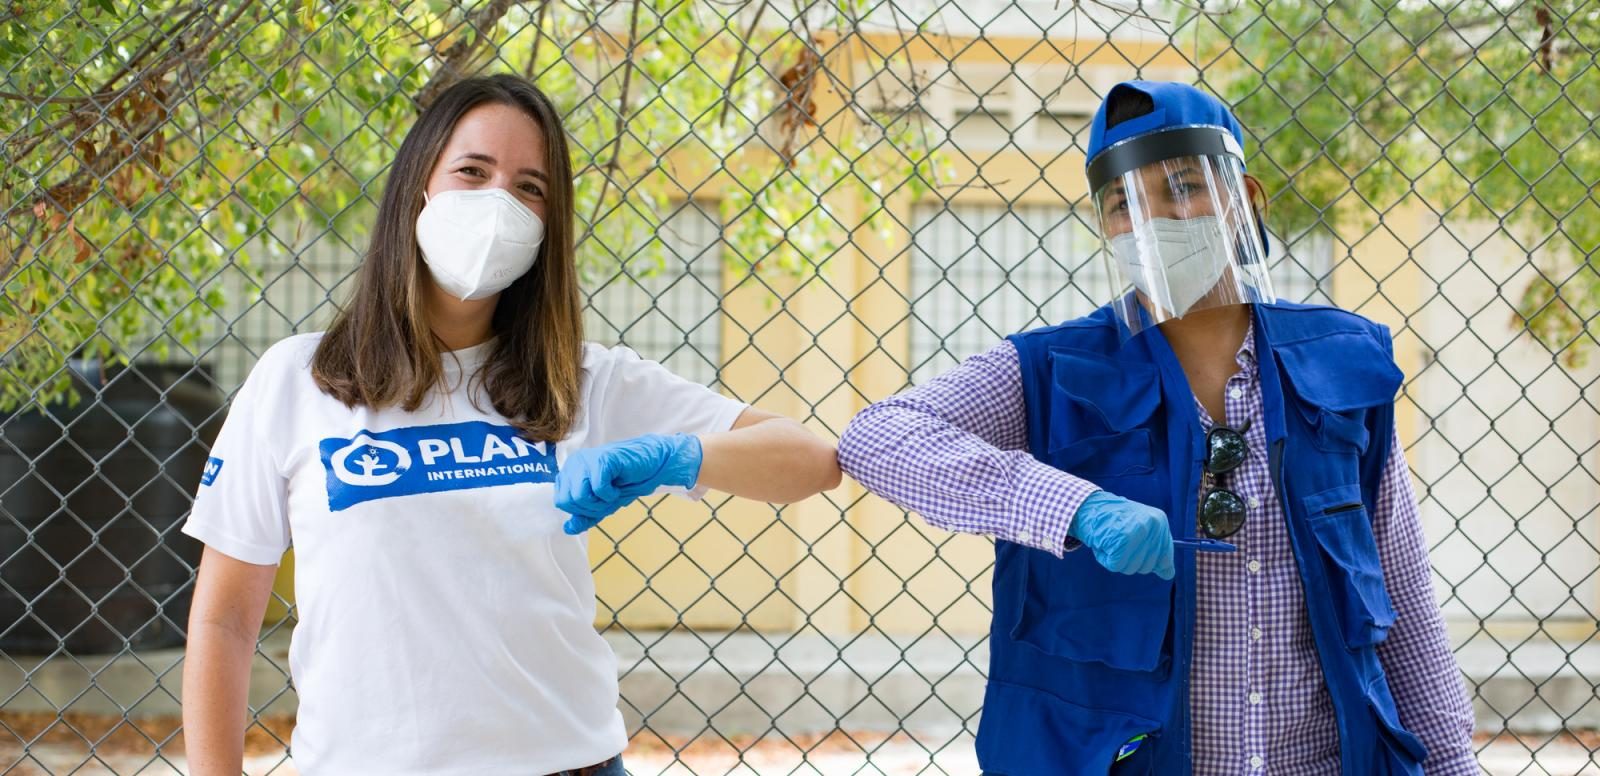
pixel 1174 262
pixel 476 242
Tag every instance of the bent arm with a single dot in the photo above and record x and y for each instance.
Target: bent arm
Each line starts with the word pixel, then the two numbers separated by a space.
pixel 230 597
pixel 955 451
pixel 768 457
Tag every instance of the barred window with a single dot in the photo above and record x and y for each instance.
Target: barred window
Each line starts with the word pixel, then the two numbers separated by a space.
pixel 303 283
pixel 666 304
pixel 981 272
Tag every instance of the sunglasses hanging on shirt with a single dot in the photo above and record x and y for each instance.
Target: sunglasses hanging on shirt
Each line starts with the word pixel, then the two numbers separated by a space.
pixel 1222 511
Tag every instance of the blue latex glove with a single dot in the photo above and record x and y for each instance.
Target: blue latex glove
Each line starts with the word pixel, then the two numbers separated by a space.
pixel 1127 537
pixel 597 481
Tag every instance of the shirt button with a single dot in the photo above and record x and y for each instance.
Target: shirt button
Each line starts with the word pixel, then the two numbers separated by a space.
pixel 1255 634
pixel 1254 566
pixel 1254 502
pixel 1235 392
pixel 1256 761
pixel 1255 699
pixel 1024 536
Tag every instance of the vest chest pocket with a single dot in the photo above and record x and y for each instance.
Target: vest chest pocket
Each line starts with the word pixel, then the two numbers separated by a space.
pixel 1098 412
pixel 1339 521
pixel 1334 394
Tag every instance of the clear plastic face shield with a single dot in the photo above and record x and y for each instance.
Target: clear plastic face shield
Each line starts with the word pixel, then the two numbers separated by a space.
pixel 1179 232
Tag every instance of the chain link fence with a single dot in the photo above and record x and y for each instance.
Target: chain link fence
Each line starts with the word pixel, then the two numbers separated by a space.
pixel 810 206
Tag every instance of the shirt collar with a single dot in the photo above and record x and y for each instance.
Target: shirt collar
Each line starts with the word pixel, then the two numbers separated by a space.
pixel 1246 357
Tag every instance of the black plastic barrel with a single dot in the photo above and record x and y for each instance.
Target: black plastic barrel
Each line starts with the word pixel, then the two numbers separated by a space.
pixel 91 500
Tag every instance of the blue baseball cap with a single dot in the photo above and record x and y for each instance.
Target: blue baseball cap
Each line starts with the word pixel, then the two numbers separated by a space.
pixel 1175 105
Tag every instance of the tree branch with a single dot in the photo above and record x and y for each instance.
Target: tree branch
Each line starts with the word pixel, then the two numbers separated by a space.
pixel 154 44
pixel 34 99
pixel 13 258
pixel 454 59
pixel 738 59
pixel 1546 38
pixel 611 164
pixel 538 38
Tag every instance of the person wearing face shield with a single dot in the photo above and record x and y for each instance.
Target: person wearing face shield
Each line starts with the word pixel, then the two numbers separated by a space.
pixel 437 456
pixel 1208 556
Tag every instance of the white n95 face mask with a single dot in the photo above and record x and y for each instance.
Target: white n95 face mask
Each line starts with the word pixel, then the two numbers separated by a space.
pixel 476 242
pixel 1174 262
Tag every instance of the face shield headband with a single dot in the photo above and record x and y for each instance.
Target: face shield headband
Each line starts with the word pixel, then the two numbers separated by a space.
pixel 1136 152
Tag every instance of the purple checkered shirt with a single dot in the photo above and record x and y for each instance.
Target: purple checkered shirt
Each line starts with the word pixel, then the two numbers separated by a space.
pixel 954 450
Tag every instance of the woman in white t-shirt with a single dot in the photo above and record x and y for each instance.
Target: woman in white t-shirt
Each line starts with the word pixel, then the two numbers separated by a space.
pixel 436 456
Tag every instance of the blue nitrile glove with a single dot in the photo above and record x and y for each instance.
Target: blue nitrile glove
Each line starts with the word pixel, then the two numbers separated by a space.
pixel 1127 537
pixel 597 481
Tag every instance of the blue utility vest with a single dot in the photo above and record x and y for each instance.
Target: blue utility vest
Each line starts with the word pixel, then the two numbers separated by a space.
pixel 1083 659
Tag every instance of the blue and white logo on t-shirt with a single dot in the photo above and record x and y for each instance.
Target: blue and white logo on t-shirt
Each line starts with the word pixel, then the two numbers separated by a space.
pixel 213 468
pixel 430 459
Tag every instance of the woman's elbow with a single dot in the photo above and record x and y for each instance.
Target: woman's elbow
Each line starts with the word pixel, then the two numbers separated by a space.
pixel 809 466
pixel 832 475
pixel 822 462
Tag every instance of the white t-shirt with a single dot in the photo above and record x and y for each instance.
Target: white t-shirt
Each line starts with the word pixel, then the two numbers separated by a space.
pixel 446 624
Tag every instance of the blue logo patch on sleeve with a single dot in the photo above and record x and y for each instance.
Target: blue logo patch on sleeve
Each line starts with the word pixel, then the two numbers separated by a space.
pixel 430 459
pixel 213 468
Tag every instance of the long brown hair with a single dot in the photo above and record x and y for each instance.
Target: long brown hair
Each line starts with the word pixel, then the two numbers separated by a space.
pixel 381 350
